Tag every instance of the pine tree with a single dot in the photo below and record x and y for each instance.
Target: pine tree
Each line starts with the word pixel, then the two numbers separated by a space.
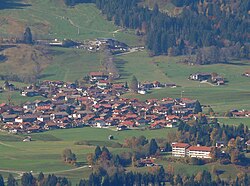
pixel 11 181
pixel 27 36
pixel 98 152
pixel 153 147
pixel 197 107
pixel 1 180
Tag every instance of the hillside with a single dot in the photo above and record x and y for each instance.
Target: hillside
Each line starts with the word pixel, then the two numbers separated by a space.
pixel 30 61
pixel 52 19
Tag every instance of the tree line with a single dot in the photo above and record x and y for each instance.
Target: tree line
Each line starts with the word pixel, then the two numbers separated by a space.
pixel 182 34
pixel 157 177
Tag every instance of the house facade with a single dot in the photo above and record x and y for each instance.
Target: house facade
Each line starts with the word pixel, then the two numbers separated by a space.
pixel 184 149
pixel 179 149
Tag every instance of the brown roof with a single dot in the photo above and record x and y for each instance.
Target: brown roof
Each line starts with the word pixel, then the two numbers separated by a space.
pixel 96 73
pixel 180 145
pixel 200 148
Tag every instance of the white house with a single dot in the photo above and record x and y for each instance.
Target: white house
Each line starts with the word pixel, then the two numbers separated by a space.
pixel 179 149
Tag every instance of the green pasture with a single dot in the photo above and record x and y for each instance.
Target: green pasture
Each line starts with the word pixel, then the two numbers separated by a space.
pixel 52 19
pixel 235 121
pixel 43 153
pixel 71 65
pixel 235 94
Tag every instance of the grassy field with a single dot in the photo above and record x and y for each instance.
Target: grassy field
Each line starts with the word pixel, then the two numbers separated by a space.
pixel 235 121
pixel 235 94
pixel 44 152
pixel 71 65
pixel 54 20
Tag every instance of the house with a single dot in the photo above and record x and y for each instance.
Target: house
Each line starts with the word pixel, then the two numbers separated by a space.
pixel 220 144
pixel 102 84
pixel 26 118
pixel 27 139
pixel 94 76
pixel 58 115
pixel 199 152
pixel 8 117
pixel 129 124
pixel 179 149
pixel 200 76
pixel 121 127
pixel 43 118
pixel 247 74
pixel 30 93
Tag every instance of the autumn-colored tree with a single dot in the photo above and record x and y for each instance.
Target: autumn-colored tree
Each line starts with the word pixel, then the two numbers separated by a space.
pixel 90 159
pixel 134 85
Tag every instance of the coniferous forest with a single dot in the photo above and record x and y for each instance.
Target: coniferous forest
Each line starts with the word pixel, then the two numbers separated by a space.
pixel 221 24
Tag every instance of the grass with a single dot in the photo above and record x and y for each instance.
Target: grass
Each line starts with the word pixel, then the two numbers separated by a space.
pixel 71 65
pixel 54 20
pixel 235 94
pixel 44 152
pixel 235 121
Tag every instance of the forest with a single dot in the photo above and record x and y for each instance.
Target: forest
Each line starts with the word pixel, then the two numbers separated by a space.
pixel 221 24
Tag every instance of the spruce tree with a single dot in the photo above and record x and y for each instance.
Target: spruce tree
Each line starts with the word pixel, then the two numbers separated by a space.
pixel 11 181
pixel 1 180
pixel 197 107
pixel 27 36
pixel 153 147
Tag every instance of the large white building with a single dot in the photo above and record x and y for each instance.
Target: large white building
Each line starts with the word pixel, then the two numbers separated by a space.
pixel 199 152
pixel 184 149
pixel 179 149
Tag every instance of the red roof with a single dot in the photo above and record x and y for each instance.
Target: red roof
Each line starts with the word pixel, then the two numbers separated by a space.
pixel 128 123
pixel 180 145
pixel 200 148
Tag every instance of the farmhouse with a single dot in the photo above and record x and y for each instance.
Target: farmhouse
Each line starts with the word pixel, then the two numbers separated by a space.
pixel 200 76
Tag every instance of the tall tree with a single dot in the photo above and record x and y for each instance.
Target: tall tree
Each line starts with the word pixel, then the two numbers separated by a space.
pixel 134 84
pixel 27 179
pixel 27 36
pixel 197 107
pixel 1 180
pixel 11 181
pixel 153 147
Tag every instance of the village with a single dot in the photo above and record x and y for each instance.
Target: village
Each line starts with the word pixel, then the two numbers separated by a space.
pixel 70 105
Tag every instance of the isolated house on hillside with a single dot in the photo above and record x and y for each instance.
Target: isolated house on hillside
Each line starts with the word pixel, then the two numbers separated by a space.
pixel 200 76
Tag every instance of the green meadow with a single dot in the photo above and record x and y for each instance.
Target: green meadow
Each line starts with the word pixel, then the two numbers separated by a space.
pixel 43 153
pixel 71 65
pixel 52 19
pixel 234 94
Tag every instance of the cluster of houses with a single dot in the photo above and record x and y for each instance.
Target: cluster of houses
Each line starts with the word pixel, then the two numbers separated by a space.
pixel 240 113
pixel 209 77
pixel 246 74
pixel 144 87
pixel 113 45
pixel 70 105
pixel 186 150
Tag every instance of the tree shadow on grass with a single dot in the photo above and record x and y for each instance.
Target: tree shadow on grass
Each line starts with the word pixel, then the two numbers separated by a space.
pixel 12 4
pixel 120 66
pixel 42 76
